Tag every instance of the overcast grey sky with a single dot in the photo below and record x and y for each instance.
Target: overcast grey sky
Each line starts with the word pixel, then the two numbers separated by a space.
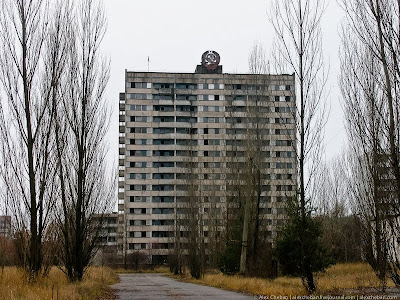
pixel 175 33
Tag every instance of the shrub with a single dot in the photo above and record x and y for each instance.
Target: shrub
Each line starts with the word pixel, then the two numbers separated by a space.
pixel 229 260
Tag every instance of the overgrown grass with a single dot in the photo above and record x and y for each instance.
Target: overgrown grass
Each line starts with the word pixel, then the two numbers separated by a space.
pixel 95 285
pixel 336 278
pixel 348 276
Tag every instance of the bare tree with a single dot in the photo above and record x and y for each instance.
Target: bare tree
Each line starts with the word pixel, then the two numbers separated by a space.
pixel 370 64
pixel 298 49
pixel 194 209
pixel 341 226
pixel 256 175
pixel 30 63
pixel 82 122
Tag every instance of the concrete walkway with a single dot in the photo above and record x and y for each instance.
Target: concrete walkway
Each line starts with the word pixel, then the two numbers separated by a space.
pixel 156 286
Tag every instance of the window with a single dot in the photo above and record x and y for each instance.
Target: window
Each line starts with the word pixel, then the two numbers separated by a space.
pixel 162 97
pixel 139 107
pixel 163 153
pixel 282 165
pixel 186 97
pixel 162 199
pixel 186 153
pixel 163 176
pixel 186 142
pixel 137 211
pixel 163 130
pixel 162 222
pixel 139 96
pixel 205 130
pixel 163 187
pixel 163 142
pixel 137 222
pixel 138 198
pixel 163 107
pixel 163 211
pixel 216 97
pixel 191 86
pixel 205 142
pixel 138 153
pixel 186 119
pixel 163 85
pixel 138 130
pixel 239 97
pixel 160 164
pixel 159 119
pixel 266 154
pixel 187 108
pixel 138 85
pixel 161 234
pixel 186 130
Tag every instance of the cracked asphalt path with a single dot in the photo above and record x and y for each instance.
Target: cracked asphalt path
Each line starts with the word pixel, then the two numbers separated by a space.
pixel 145 286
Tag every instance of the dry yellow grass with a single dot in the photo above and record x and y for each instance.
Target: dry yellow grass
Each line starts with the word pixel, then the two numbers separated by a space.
pixel 348 276
pixel 335 278
pixel 13 285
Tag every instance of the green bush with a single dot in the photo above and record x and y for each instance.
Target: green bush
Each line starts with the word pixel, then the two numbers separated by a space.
pixel 229 260
pixel 299 247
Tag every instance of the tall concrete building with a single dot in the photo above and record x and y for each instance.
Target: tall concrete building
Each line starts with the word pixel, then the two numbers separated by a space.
pixel 5 226
pixel 206 127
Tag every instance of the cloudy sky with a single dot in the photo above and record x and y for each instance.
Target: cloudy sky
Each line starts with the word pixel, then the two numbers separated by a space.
pixel 173 34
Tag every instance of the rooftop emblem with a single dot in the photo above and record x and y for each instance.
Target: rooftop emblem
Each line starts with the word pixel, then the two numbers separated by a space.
pixel 210 59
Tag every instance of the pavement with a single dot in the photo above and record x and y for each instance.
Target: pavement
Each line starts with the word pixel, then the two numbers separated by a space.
pixel 145 286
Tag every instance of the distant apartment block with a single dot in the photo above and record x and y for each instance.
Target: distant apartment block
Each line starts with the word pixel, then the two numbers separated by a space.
pixel 108 233
pixel 5 226
pixel 208 125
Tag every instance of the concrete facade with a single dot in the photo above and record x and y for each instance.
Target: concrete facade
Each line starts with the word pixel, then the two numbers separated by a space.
pixel 173 125
pixel 5 226
pixel 108 233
